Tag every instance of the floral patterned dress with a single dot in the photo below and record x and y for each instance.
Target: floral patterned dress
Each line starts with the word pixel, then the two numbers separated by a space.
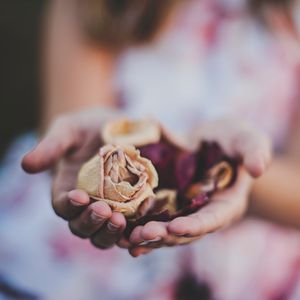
pixel 216 62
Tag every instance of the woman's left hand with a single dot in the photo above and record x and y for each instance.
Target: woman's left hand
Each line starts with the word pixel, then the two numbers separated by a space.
pixel 226 207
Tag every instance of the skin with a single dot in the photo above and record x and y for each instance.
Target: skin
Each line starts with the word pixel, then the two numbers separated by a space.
pixel 79 76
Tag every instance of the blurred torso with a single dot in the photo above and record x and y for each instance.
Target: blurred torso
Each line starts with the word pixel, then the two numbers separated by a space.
pixel 216 62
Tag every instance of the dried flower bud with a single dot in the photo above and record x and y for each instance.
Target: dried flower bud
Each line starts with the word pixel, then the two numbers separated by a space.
pixel 136 133
pixel 119 176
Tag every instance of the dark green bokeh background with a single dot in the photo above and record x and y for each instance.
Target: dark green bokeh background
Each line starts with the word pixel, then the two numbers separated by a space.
pixel 20 32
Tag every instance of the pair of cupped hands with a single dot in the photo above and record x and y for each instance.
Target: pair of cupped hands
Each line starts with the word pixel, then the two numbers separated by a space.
pixel 74 138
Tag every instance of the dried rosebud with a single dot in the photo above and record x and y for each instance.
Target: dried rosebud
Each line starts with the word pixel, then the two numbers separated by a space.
pixel 135 133
pixel 119 176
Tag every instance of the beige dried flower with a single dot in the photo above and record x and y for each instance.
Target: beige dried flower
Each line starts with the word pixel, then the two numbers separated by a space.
pixel 119 176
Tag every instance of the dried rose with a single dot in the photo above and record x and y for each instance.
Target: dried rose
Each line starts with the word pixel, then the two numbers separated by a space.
pixel 119 176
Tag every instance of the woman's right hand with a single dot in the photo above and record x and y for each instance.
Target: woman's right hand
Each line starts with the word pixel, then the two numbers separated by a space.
pixel 70 141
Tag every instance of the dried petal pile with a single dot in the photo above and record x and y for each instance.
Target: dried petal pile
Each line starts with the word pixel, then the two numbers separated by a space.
pixel 147 175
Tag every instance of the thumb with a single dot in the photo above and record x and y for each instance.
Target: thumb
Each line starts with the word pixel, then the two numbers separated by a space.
pixel 256 151
pixel 58 141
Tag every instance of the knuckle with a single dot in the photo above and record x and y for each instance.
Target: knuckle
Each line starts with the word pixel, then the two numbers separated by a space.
pixel 60 213
pixel 101 244
pixel 207 224
pixel 198 225
pixel 105 208
pixel 75 230
pixel 58 210
pixel 150 224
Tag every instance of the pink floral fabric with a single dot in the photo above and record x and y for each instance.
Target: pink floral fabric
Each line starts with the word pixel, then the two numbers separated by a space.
pixel 216 62
pixel 220 62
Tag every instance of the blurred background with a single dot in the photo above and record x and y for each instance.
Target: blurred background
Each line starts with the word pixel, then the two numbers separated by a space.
pixel 222 57
pixel 20 23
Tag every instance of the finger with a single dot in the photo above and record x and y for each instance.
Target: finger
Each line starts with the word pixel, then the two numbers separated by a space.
pixel 199 224
pixel 168 241
pixel 124 243
pixel 255 149
pixel 225 208
pixel 150 233
pixel 210 219
pixel 111 233
pixel 135 236
pixel 60 139
pixel 91 220
pixel 137 251
pixel 70 205
pixel 237 138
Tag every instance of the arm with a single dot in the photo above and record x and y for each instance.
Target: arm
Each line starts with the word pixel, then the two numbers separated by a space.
pixel 276 195
pixel 76 74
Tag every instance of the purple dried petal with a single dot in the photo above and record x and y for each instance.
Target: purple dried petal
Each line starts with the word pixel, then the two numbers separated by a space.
pixel 178 169
pixel 195 204
pixel 210 154
pixel 185 169
pixel 158 153
pixel 163 157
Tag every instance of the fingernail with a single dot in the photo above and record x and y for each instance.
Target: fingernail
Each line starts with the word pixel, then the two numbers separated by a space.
pixel 112 227
pixel 75 203
pixel 96 219
pixel 180 234
pixel 187 235
pixel 145 243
